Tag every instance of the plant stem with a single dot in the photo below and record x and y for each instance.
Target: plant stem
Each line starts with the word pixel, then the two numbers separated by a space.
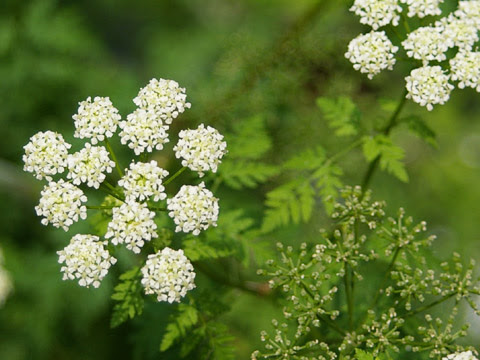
pixel 349 294
pixel 157 209
pixel 171 178
pixel 114 158
pixel 428 306
pixel 392 122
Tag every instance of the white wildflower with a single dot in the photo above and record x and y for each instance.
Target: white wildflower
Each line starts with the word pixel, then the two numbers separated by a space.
pixel 61 204
pixel 427 44
pixel 377 13
pixel 143 181
pixel 201 149
pixel 469 9
pixel 89 166
pixel 143 130
pixel 164 97
pixel 371 53
pixel 46 155
pixel 422 8
pixel 428 86
pixel 85 259
pixel 96 120
pixel 465 68
pixel 132 224
pixel 6 285
pixel 460 32
pixel 193 209
pixel 466 355
pixel 168 274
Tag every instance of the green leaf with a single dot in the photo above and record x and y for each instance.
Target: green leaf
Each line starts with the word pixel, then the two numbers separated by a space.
pixel 289 203
pixel 328 184
pixel 249 139
pixel 128 294
pixel 391 155
pixel 196 248
pixel 180 323
pixel 309 159
pixel 362 355
pixel 239 174
pixel 341 113
pixel 420 128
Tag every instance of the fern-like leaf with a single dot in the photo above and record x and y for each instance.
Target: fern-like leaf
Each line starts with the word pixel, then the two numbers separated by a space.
pixel 249 139
pixel 128 294
pixel 391 155
pixel 239 174
pixel 341 113
pixel 197 249
pixel 180 323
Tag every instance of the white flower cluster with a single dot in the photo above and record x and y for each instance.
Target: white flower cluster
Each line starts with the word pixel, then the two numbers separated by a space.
pixel 465 68
pixel 89 165
pixel 96 120
pixel 371 53
pixel 168 274
pixel 61 204
pixel 132 224
pixel 427 44
pixel 458 31
pixel 377 13
pixel 201 149
pixel 428 86
pixel 85 259
pixel 6 286
pixel 164 97
pixel 469 9
pixel 46 155
pixel 143 181
pixel 193 209
pixel 143 131
pixel 466 355
pixel 422 8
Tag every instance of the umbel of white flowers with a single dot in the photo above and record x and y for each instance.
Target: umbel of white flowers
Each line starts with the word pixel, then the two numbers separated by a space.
pixel 428 85
pixel 168 274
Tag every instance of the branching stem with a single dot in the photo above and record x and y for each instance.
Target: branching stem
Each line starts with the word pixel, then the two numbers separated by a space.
pixel 174 176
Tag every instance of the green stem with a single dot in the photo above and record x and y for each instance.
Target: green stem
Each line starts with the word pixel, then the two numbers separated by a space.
pixel 392 122
pixel 157 209
pixel 349 293
pixel 109 192
pixel 114 158
pixel 174 176
pixel 428 306
pixel 345 151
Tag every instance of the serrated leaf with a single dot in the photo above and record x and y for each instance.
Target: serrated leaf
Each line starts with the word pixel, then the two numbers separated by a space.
pixel 249 139
pixel 328 184
pixel 128 294
pixel 362 355
pixel 341 113
pixel 308 159
pixel 239 174
pixel 180 323
pixel 196 249
pixel 391 155
pixel 420 128
pixel 289 203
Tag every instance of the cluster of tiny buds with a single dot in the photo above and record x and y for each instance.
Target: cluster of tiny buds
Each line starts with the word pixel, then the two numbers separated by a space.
pixel 428 85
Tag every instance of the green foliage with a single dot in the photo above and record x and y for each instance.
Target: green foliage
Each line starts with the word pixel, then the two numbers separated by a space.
pixel 324 281
pixel 180 323
pixel 248 142
pixel 342 114
pixel 391 155
pixel 195 249
pixel 419 127
pixel 294 201
pixel 129 296
pixel 239 174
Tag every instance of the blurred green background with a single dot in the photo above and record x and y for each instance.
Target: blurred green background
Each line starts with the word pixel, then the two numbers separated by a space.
pixel 237 59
